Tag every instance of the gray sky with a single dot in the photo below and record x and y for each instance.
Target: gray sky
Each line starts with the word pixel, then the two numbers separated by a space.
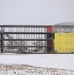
pixel 36 11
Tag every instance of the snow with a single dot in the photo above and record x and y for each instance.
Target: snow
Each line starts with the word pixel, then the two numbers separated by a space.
pixel 32 70
pixel 62 61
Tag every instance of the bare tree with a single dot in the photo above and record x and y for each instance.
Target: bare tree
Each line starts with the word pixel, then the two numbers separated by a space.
pixel 21 46
pixel 39 44
pixel 13 45
pixel 10 44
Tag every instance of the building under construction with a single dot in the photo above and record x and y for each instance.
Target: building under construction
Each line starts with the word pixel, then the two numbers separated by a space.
pixel 37 38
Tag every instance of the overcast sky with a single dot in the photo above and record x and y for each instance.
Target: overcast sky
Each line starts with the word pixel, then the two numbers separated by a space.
pixel 36 11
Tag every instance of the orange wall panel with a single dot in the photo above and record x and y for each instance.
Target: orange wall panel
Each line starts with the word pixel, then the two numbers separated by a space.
pixel 49 29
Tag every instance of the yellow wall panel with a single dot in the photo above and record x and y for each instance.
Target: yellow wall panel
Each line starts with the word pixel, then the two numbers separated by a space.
pixel 64 42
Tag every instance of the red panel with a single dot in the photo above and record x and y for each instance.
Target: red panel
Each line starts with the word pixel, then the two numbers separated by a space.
pixel 51 42
pixel 49 29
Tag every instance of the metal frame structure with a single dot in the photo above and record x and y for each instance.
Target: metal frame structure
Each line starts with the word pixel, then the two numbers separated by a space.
pixel 15 36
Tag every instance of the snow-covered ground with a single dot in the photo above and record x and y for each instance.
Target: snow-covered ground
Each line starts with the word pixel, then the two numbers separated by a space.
pixel 32 70
pixel 62 61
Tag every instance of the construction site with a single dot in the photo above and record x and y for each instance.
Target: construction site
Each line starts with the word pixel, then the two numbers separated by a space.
pixel 41 39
